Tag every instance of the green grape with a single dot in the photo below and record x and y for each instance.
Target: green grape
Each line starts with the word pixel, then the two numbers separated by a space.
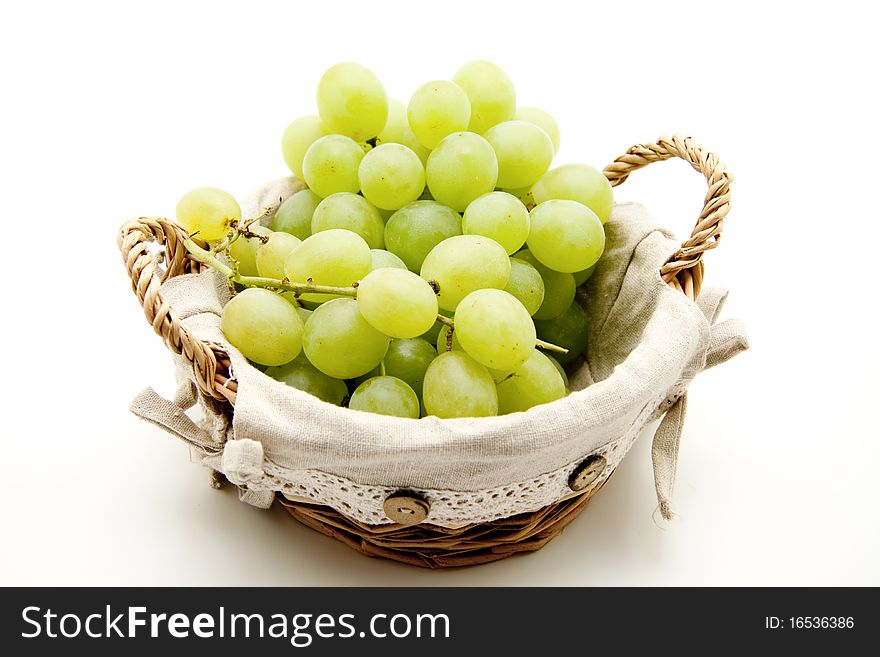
pixel 385 395
pixel 271 256
pixel 415 229
pixel 581 277
pixel 244 250
pixel 294 216
pixel 381 258
pixel 495 329
pixel 443 342
pixel 397 302
pixel 331 165
pixel 524 152
pixel 526 284
pixel 559 288
pixel 461 168
pixel 492 96
pixel 304 313
pixel 350 212
pixel 352 101
pixel 437 109
pixel 339 341
pixel 302 375
pixel 355 382
pixel 576 182
pixel 566 235
pixel 408 360
pixel 541 119
pixel 458 386
pixel 395 125
pixel 296 140
pixel 391 176
pixel 568 330
pixel 537 381
pixel 560 369
pixel 207 213
pixel 262 326
pixel 499 216
pixel 459 265
pixel 432 333
pixel 334 257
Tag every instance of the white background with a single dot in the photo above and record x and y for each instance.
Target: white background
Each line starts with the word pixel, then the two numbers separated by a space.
pixel 113 110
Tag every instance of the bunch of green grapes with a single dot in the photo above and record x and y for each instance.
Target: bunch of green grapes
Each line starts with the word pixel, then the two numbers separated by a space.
pixel 430 264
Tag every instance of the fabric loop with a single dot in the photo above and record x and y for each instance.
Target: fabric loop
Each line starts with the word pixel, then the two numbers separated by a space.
pixel 664 454
pixel 152 407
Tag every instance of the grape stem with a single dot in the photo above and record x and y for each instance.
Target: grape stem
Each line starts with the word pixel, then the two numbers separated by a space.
pixel 209 258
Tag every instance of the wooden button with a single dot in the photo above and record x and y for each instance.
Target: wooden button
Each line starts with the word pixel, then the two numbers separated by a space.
pixel 587 472
pixel 406 509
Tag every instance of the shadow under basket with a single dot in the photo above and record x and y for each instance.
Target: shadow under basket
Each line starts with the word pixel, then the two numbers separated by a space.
pixel 408 538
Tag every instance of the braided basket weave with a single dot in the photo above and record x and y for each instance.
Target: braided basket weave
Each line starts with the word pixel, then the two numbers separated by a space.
pixel 417 544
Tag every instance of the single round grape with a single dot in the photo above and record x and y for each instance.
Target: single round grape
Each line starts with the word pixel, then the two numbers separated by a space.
pixel 385 395
pixel 339 341
pixel 461 168
pixel 304 313
pixel 437 109
pixel 271 256
pixel 381 258
pixel 492 96
pixel 459 265
pixel 207 213
pixel 408 360
pixel 560 369
pixel 350 212
pixel 333 257
pixel 566 235
pixel 524 152
pixel 568 330
pixel 526 284
pixel 495 329
pixel 395 125
pixel 415 229
pixel 581 277
pixel 541 119
pixel 331 165
pixel 397 302
pixel 294 216
pixel 262 326
pixel 576 182
pixel 458 386
pixel 432 333
pixel 244 250
pixel 559 288
pixel 499 216
pixel 297 138
pixel 537 381
pixel 391 176
pixel 352 101
pixel 444 343
pixel 302 375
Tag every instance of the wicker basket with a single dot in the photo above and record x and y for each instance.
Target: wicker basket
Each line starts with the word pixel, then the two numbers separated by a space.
pixel 407 540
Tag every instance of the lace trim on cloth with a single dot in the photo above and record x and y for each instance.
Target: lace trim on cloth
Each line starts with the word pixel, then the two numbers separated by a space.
pixel 451 509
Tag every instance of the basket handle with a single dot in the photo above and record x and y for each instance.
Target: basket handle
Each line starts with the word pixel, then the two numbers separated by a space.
pixel 146 276
pixel 684 269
